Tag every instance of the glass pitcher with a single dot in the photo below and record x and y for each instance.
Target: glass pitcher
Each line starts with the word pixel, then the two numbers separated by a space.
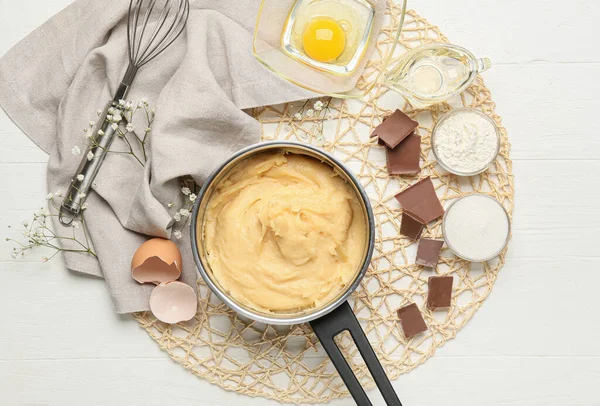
pixel 430 74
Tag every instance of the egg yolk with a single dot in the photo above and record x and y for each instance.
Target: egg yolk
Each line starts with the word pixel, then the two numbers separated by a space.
pixel 323 39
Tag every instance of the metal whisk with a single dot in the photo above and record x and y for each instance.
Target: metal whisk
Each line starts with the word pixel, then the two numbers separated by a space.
pixel 152 26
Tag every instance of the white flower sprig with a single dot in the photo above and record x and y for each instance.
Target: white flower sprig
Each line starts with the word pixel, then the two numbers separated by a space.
pixel 315 112
pixel 189 192
pixel 120 117
pixel 38 233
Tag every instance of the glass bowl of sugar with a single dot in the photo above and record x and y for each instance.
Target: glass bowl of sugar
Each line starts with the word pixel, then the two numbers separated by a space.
pixel 465 141
pixel 476 227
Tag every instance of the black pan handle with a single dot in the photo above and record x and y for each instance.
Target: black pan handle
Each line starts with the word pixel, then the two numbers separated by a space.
pixel 340 320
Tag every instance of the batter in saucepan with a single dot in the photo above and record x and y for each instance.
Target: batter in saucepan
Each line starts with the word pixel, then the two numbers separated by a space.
pixel 284 232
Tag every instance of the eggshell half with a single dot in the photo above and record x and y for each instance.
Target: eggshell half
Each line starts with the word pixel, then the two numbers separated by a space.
pixel 173 302
pixel 156 261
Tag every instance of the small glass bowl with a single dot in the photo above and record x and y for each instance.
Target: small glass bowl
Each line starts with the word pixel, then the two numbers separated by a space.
pixel 268 50
pixel 454 250
pixel 447 116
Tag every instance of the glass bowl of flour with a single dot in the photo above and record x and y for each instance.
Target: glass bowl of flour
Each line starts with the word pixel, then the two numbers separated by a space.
pixel 465 141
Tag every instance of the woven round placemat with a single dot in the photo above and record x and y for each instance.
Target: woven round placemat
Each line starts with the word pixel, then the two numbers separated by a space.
pixel 287 363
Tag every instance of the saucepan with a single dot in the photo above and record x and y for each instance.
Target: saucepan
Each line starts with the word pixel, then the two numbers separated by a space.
pixel 329 319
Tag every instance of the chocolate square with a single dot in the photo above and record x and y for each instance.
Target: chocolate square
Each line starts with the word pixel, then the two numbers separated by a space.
pixel 395 128
pixel 404 159
pixel 411 320
pixel 421 201
pixel 428 252
pixel 378 139
pixel 410 226
pixel 439 295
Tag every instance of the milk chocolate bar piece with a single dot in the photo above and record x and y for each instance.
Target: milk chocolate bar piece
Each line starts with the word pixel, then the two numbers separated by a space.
pixel 421 201
pixel 428 252
pixel 410 226
pixel 395 128
pixel 411 320
pixel 404 159
pixel 439 295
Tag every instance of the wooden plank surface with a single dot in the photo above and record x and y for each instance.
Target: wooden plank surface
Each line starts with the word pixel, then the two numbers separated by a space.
pixel 534 342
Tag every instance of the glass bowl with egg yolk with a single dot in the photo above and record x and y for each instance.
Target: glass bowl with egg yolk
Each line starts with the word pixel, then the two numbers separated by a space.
pixel 324 45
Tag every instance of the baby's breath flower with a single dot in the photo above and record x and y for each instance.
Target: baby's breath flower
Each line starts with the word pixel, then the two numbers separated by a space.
pixel 58 194
pixel 76 224
pixel 82 195
pixel 318 105
pixel 147 129
pixel 177 217
pixel 45 259
pixel 177 234
pixel 193 197
pixel 14 254
pixel 114 126
pixel 75 150
pixel 186 191
pixel 84 206
pixel 184 212
pixel 80 177
pixel 98 113
pixel 111 110
pixel 92 123
pixel 129 106
pixel 25 223
pixel 298 116
pixel 310 113
pixel 122 102
pixel 50 196
pixel 170 205
pixel 90 156
pixel 130 127
pixel 117 118
pixel 109 117
pixel 100 132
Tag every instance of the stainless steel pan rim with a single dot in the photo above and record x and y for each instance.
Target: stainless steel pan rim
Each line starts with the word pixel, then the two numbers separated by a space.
pixel 224 296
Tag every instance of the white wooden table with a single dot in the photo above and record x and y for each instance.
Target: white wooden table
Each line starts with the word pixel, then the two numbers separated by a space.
pixel 536 340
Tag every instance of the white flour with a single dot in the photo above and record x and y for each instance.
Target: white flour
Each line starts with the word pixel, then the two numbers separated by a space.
pixel 466 142
pixel 476 227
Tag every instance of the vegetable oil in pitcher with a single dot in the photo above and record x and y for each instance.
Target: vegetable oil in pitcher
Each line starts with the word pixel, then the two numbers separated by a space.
pixel 430 74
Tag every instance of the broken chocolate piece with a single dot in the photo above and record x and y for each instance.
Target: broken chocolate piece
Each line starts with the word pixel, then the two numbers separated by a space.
pixel 439 295
pixel 404 159
pixel 378 139
pixel 421 201
pixel 411 320
pixel 410 226
pixel 428 252
pixel 395 128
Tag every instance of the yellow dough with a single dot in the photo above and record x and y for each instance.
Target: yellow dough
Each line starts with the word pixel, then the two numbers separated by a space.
pixel 284 233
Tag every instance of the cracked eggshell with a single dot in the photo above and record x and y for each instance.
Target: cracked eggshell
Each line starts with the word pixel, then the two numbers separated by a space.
pixel 156 261
pixel 173 302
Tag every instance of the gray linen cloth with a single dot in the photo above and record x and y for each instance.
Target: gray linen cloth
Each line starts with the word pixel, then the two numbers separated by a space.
pixel 53 82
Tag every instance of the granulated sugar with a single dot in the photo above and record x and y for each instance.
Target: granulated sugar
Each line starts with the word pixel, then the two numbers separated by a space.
pixel 476 227
pixel 465 141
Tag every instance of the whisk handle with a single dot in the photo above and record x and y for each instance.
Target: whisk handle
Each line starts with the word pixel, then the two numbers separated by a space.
pixel 103 135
